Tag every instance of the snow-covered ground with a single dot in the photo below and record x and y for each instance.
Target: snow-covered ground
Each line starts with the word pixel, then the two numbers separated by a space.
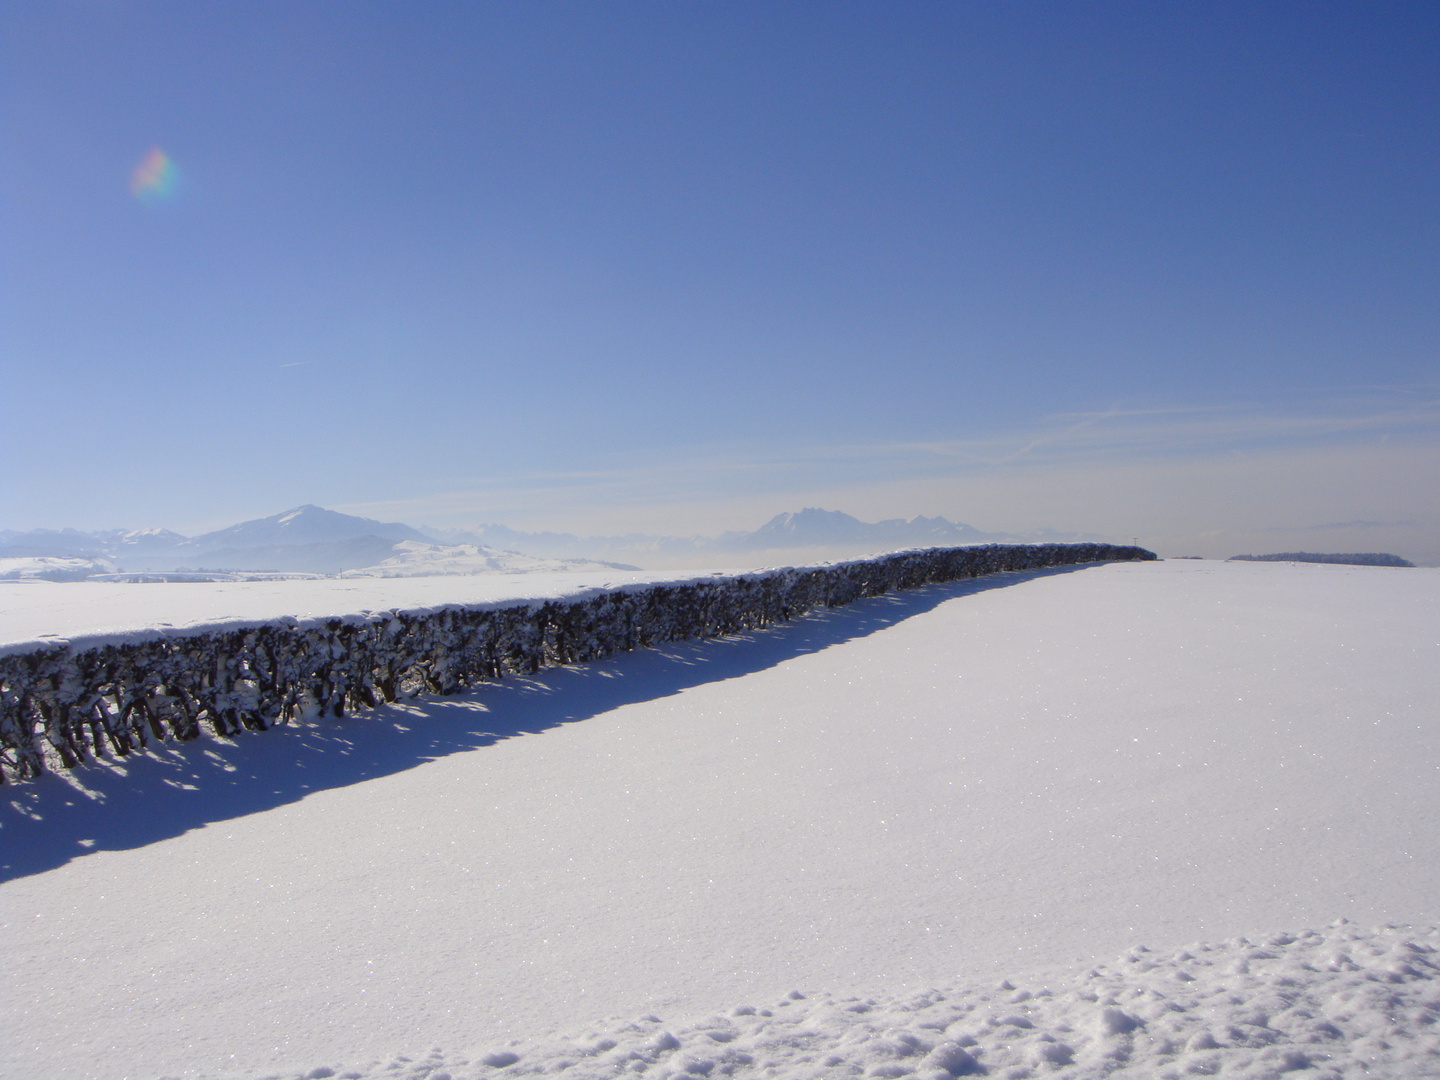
pixel 86 611
pixel 926 833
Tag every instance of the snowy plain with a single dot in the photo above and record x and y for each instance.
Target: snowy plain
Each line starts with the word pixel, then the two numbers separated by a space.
pixel 1083 822
pixel 91 612
pixel 411 558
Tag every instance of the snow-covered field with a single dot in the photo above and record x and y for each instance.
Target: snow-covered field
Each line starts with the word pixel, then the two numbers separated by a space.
pixel 34 612
pixel 983 826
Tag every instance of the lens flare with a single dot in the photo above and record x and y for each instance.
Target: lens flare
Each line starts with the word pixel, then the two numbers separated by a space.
pixel 154 179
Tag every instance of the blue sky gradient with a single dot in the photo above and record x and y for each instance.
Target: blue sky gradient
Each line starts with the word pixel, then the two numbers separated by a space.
pixel 678 267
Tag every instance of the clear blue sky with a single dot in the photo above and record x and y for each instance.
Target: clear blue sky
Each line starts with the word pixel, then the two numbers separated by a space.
pixel 684 265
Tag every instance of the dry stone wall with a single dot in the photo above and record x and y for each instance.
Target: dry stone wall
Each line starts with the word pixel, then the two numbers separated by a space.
pixel 69 703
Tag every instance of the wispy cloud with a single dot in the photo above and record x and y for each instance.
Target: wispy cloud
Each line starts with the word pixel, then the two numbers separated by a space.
pixel 1181 431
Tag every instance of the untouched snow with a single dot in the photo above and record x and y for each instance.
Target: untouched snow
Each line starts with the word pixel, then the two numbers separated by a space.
pixel 87 611
pixel 856 825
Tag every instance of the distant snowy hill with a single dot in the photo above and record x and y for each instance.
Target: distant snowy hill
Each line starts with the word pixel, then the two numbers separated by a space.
pixel 326 557
pixel 639 548
pixel 414 558
pixel 813 527
pixel 307 525
pixel 51 568
pixel 312 540
pixel 307 540
pixel 810 534
pixel 73 544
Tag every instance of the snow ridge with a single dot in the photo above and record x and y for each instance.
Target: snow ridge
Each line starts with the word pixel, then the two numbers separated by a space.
pixel 1342 1002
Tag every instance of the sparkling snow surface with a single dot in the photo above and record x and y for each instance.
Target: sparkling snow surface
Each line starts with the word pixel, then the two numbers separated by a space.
pixel 923 834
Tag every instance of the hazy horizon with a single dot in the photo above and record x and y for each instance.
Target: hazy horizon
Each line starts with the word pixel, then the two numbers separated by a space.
pixel 1330 537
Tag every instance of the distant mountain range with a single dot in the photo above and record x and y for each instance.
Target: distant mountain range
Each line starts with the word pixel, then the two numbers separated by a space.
pixel 308 540
pixel 313 540
pixel 818 534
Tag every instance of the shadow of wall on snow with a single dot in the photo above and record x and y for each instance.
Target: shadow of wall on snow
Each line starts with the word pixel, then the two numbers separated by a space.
pixel 176 787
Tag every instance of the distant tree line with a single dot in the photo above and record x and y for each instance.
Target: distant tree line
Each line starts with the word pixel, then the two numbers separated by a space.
pixel 1359 558
pixel 67 703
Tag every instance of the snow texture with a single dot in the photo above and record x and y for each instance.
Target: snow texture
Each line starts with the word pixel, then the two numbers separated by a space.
pixel 908 836
pixel 71 701
pixel 1334 1003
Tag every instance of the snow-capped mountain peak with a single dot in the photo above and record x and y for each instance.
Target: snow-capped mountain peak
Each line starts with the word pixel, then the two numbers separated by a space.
pixel 307 524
